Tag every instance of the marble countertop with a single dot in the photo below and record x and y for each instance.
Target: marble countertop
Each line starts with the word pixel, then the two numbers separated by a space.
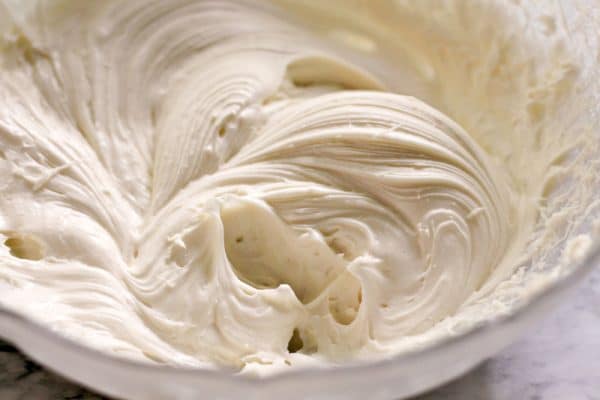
pixel 558 360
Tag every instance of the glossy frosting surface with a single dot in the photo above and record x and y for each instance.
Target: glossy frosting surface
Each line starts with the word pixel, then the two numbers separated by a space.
pixel 231 183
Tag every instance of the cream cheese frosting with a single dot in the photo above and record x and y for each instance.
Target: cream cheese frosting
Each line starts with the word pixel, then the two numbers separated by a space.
pixel 258 186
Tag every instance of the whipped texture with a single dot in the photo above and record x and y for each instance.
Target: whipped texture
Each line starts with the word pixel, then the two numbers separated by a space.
pixel 267 185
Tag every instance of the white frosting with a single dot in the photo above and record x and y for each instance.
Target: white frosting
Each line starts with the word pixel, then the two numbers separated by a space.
pixel 221 183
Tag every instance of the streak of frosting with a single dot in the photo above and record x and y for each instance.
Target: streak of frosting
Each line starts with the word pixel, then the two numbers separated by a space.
pixel 215 183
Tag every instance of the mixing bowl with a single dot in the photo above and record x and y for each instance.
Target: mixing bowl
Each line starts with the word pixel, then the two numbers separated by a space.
pixel 396 378
pixel 560 264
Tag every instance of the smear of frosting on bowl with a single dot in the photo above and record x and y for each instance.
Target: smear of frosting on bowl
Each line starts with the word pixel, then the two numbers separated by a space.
pixel 259 186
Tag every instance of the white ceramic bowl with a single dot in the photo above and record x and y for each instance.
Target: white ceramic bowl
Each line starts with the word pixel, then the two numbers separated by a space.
pixel 396 378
